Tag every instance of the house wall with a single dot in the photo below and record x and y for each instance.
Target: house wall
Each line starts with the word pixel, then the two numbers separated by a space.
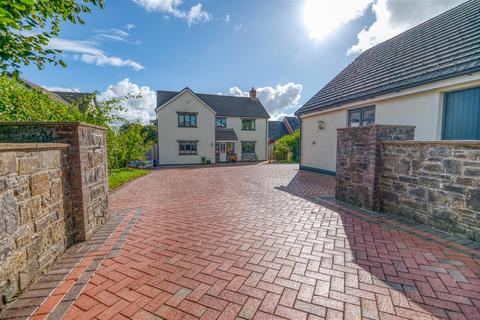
pixel 169 133
pixel 259 135
pixel 421 107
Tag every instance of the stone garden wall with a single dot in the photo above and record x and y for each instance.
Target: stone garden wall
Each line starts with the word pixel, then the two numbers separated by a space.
pixel 436 183
pixel 33 229
pixel 53 193
pixel 358 162
pixel 432 182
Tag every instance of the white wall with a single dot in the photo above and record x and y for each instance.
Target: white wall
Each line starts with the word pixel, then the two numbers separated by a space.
pixel 169 133
pixel 319 147
pixel 259 135
pixel 421 107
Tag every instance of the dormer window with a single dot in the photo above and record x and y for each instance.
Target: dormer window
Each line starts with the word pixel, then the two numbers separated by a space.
pixel 221 122
pixel 187 120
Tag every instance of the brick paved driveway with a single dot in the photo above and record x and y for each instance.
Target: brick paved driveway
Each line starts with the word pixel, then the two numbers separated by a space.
pixel 253 242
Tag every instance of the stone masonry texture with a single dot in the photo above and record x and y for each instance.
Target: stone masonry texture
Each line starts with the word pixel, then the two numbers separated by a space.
pixel 436 183
pixel 253 242
pixel 32 214
pixel 86 181
pixel 49 199
pixel 358 162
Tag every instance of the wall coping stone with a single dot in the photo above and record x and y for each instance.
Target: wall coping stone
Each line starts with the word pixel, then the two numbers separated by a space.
pixel 435 142
pixel 377 126
pixel 50 123
pixel 32 146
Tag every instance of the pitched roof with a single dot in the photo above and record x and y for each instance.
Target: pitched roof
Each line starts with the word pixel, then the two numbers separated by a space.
pixel 225 134
pixel 82 98
pixel 276 130
pixel 293 122
pixel 222 105
pixel 443 47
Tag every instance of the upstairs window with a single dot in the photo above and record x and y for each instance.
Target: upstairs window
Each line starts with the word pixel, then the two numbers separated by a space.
pixel 188 120
pixel 248 124
pixel 221 122
pixel 361 117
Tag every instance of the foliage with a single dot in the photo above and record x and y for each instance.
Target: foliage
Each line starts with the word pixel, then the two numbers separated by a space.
pixel 119 177
pixel 288 147
pixel 125 144
pixel 19 103
pixel 150 131
pixel 22 42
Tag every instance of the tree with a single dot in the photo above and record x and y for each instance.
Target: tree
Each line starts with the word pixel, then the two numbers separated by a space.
pixel 125 144
pixel 26 27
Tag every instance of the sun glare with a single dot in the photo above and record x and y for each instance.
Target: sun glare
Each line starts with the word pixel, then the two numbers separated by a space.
pixel 324 16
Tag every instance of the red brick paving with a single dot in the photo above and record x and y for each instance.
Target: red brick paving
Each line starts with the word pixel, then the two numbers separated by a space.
pixel 252 242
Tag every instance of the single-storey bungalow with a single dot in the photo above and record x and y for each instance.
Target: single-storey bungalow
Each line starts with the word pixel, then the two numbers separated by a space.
pixel 428 76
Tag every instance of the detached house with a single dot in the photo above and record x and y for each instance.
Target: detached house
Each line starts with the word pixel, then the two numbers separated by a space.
pixel 428 76
pixel 219 128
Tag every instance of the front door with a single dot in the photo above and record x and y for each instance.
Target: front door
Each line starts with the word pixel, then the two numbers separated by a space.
pixel 223 151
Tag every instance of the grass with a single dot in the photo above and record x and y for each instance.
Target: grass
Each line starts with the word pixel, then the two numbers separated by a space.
pixel 119 177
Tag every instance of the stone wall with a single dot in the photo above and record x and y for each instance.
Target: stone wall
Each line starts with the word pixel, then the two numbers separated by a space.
pixel 358 164
pixel 86 171
pixel 33 229
pixel 53 193
pixel 432 182
pixel 436 183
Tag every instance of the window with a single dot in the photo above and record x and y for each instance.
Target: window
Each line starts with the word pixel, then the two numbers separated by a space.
pixel 248 124
pixel 187 148
pixel 187 119
pixel 361 117
pixel 221 122
pixel 248 146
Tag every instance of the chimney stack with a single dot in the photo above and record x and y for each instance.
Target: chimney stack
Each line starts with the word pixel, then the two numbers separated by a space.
pixel 253 93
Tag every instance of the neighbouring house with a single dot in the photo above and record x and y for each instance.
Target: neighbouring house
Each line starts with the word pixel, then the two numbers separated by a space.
pixel 216 127
pixel 65 97
pixel 278 129
pixel 428 77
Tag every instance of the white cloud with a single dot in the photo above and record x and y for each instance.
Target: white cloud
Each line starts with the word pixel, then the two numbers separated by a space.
pixel 193 16
pixel 88 52
pixel 395 16
pixel 142 109
pixel 53 88
pixel 227 18
pixel 279 101
pixel 115 34
pixel 101 60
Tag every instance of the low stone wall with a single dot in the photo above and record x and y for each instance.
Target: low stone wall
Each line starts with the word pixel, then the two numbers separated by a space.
pixel 358 162
pixel 53 193
pixel 433 182
pixel 33 230
pixel 86 170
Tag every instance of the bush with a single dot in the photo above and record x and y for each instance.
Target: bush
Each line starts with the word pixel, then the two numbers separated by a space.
pixel 126 143
pixel 288 147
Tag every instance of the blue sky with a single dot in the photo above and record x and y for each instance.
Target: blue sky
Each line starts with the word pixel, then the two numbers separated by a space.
pixel 287 49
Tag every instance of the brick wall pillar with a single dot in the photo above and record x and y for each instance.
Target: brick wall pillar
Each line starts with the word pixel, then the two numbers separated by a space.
pixel 358 162
pixel 85 176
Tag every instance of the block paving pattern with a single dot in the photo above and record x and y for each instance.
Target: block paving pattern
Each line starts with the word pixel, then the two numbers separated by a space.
pixel 256 242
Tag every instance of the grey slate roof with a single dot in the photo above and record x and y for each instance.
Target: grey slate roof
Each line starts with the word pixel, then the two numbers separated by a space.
pixel 294 122
pixel 75 97
pixel 223 105
pixel 276 130
pixel 443 47
pixel 225 134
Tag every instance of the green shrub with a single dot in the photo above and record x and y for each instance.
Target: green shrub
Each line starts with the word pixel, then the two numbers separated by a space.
pixel 288 147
